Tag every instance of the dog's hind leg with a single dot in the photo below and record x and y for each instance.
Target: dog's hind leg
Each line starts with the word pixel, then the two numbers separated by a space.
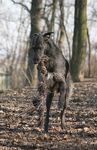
pixel 62 103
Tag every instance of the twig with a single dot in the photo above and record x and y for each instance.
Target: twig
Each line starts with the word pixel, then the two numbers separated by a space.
pixel 23 5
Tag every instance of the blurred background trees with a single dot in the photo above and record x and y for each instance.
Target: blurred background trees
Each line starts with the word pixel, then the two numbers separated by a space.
pixel 73 23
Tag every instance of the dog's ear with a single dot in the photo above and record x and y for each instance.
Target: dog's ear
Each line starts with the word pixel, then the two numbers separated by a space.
pixel 47 35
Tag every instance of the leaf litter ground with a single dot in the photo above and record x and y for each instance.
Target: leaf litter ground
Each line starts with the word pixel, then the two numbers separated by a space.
pixel 18 121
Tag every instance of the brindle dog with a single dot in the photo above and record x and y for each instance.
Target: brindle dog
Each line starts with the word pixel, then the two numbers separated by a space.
pixel 57 72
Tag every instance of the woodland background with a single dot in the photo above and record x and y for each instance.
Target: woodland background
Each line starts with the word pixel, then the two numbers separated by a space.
pixel 74 25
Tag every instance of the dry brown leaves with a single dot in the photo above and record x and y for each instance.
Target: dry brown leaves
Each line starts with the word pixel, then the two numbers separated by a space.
pixel 18 121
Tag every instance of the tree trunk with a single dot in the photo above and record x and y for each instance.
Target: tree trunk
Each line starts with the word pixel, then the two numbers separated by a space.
pixel 53 13
pixel 89 54
pixel 79 41
pixel 62 32
pixel 35 27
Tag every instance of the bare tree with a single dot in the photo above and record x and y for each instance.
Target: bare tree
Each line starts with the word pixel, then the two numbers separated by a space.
pixel 79 40
pixel 35 15
pixel 35 26
pixel 89 54
pixel 61 25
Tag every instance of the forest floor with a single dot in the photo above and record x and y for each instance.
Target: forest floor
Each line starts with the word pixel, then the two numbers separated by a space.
pixel 18 121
